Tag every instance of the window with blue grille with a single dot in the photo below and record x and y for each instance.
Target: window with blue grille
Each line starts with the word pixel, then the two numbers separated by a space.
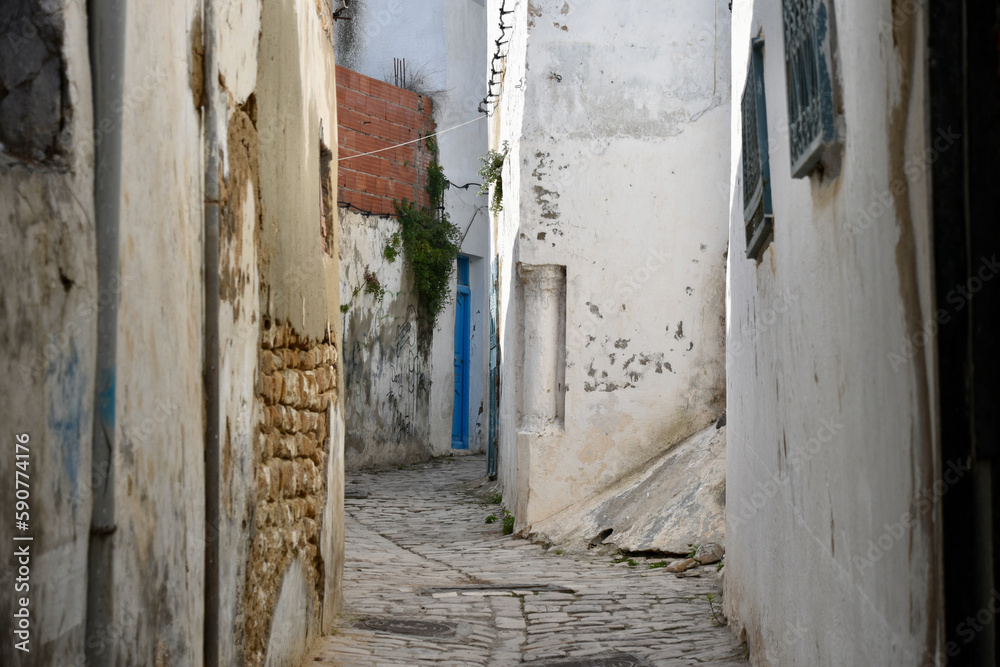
pixel 809 77
pixel 757 215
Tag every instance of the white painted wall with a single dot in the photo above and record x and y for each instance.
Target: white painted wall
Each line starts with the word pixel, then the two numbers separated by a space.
pixel 831 439
pixel 617 121
pixel 444 44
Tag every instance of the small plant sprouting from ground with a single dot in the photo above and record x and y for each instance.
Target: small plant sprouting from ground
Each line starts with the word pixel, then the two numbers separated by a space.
pixel 508 523
pixel 496 499
pixel 492 518
pixel 658 564
pixel 722 564
pixel 716 614
pixel 559 552
pixel 692 550
pixel 631 562
pixel 491 173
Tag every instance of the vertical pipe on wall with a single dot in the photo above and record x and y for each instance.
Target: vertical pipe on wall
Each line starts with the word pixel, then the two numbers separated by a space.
pixel 211 337
pixel 106 37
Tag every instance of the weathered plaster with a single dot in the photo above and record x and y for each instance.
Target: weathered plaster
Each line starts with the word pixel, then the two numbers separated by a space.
pixel 296 100
pixel 158 546
pixel 48 315
pixel 387 370
pixel 298 517
pixel 603 118
pixel 270 218
pixel 239 333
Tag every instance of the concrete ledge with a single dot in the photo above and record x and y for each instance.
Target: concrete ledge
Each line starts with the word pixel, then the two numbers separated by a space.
pixel 678 499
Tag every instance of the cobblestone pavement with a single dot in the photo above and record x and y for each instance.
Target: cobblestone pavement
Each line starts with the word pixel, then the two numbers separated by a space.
pixel 418 549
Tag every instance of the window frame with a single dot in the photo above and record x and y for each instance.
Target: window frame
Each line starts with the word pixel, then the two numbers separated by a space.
pixel 758 214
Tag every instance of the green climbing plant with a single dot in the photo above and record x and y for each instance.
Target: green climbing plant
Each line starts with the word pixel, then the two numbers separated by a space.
pixel 428 241
pixel 491 172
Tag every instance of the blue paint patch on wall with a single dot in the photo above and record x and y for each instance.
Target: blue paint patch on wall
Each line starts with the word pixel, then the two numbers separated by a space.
pixel 68 421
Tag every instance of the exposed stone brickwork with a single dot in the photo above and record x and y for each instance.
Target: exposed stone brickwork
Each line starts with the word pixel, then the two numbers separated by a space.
pixel 372 115
pixel 298 383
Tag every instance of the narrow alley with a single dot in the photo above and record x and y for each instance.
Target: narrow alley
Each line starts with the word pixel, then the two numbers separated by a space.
pixel 428 582
pixel 586 283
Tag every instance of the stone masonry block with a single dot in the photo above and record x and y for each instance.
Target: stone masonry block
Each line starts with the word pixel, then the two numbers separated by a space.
pixel 271 445
pixel 308 359
pixel 269 362
pixel 292 387
pixel 289 358
pixel 325 377
pixel 286 447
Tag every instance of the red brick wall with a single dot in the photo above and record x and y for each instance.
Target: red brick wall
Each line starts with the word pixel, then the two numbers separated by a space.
pixel 372 115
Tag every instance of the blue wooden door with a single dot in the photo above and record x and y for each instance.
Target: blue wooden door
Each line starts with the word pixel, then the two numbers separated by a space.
pixel 460 412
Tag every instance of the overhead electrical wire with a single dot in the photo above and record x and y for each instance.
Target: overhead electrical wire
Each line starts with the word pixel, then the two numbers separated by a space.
pixel 412 141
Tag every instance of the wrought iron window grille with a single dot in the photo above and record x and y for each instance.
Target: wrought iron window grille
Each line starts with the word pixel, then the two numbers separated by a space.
pixel 809 78
pixel 758 217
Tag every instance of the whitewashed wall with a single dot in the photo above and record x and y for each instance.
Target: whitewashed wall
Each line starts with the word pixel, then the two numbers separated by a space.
pixel 617 171
pixel 831 502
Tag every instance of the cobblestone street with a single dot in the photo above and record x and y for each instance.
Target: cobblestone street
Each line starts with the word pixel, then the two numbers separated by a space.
pixel 418 549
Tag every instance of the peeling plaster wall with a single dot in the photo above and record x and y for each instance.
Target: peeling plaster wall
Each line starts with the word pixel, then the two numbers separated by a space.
pixel 278 264
pixel 832 503
pixel 48 315
pixel 387 370
pixel 617 121
pixel 288 528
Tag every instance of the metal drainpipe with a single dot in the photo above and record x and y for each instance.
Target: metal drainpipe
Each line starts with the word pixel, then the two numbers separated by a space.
pixel 211 336
pixel 106 36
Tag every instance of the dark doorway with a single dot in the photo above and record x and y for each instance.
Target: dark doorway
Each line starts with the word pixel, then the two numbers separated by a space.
pixel 965 100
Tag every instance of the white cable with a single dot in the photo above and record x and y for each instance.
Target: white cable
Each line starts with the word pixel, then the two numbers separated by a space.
pixel 412 141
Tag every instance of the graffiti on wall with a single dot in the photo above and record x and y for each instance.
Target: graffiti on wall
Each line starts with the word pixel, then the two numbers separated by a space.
pixel 387 382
